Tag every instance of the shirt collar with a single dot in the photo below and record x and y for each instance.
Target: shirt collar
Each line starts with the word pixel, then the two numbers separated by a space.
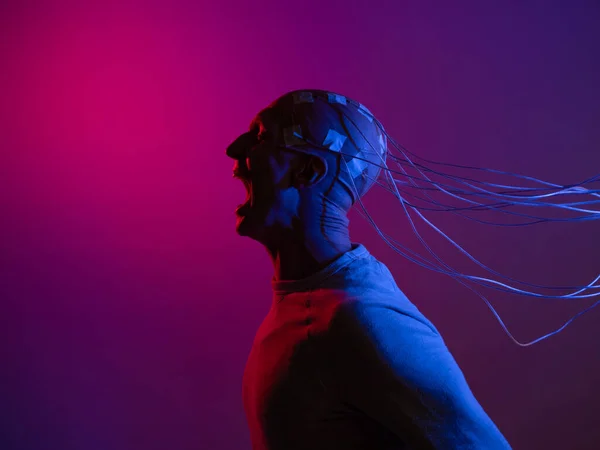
pixel 283 287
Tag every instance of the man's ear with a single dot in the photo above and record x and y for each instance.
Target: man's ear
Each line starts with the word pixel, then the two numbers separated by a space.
pixel 310 170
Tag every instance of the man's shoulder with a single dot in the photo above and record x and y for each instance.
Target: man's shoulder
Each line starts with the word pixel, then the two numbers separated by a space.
pixel 380 312
pixel 373 331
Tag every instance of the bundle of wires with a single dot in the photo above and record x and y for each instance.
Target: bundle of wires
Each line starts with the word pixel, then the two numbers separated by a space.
pixel 331 122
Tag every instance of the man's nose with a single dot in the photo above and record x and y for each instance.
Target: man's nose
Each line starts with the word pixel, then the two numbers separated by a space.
pixel 239 147
pixel 232 151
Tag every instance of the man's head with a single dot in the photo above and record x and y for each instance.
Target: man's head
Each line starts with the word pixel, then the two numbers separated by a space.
pixel 306 151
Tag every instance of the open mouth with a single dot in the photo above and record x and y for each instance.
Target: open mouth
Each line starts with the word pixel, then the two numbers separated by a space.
pixel 248 185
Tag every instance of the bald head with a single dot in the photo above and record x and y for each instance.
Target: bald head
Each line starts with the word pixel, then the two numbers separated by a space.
pixel 324 123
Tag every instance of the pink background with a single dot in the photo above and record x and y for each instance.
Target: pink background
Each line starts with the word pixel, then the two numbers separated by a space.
pixel 129 304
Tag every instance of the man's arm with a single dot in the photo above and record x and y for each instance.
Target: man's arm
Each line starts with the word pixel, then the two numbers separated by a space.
pixel 394 367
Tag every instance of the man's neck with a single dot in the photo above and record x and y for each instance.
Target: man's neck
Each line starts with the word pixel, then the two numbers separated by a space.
pixel 302 254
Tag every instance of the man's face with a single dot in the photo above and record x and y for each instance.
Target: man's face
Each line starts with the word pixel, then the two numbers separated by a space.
pixel 264 168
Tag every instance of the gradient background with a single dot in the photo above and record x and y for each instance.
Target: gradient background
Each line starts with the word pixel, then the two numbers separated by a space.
pixel 129 304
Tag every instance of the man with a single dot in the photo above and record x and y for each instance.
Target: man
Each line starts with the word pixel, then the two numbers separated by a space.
pixel 343 359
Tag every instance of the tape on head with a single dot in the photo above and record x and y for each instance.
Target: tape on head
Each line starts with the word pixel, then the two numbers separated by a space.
pixel 365 112
pixel 334 140
pixel 356 166
pixel 382 144
pixel 336 98
pixel 303 97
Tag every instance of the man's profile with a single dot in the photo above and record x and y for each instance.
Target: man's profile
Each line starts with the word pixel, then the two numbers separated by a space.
pixel 343 359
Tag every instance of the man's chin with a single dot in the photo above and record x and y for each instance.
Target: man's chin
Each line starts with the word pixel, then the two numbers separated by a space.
pixel 241 229
pixel 247 227
pixel 244 227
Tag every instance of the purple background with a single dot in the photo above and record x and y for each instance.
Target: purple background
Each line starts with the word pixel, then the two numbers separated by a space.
pixel 129 304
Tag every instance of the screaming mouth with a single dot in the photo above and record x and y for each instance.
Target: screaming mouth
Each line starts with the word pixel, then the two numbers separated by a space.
pixel 248 185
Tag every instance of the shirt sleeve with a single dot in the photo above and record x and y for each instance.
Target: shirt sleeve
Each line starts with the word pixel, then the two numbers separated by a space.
pixel 393 366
